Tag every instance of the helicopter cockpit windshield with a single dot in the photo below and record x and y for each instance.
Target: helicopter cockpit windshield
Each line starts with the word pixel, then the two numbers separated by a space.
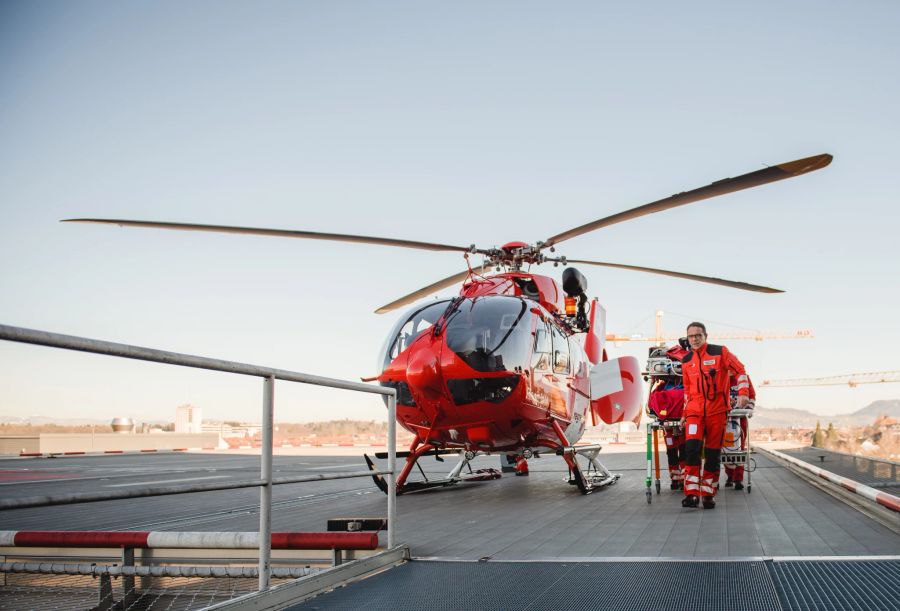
pixel 491 333
pixel 409 328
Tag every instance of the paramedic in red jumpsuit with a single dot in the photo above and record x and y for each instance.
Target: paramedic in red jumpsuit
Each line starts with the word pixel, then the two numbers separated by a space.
pixel 706 371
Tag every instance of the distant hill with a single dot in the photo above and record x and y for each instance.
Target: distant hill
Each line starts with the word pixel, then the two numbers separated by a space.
pixel 762 418
pixel 890 407
pixel 786 417
pixel 765 418
pixel 40 420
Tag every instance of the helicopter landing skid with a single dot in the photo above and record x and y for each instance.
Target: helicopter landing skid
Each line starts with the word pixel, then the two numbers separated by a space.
pixel 379 480
pixel 455 476
pixel 482 475
pixel 595 475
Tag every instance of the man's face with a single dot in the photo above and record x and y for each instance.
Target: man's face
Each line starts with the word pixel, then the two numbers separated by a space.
pixel 696 337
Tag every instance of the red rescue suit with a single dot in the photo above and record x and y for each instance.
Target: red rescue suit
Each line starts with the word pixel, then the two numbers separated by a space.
pixel 521 465
pixel 674 435
pixel 706 373
pixel 667 404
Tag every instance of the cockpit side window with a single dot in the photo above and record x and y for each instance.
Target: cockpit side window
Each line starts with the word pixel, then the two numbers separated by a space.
pixel 406 331
pixel 543 346
pixel 560 352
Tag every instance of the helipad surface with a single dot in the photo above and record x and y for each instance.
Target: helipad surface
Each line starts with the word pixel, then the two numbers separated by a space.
pixel 514 518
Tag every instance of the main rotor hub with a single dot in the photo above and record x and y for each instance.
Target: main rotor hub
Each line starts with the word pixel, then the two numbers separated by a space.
pixel 513 255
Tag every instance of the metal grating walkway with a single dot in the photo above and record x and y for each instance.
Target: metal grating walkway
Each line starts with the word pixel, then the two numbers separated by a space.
pixel 836 585
pixel 617 586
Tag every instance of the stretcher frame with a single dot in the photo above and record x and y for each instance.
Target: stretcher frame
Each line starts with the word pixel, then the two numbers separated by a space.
pixel 740 458
pixel 655 427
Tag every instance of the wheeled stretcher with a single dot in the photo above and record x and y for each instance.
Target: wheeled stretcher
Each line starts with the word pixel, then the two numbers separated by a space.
pixel 665 406
pixel 736 445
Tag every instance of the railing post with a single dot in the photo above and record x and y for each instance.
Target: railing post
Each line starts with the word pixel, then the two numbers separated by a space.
pixel 106 593
pixel 265 491
pixel 129 595
pixel 392 467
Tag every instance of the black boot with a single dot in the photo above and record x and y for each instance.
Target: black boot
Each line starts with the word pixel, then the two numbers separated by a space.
pixel 673 485
pixel 709 502
pixel 739 485
pixel 690 501
pixel 729 484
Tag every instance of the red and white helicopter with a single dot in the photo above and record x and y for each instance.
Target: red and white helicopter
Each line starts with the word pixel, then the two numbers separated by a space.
pixel 516 363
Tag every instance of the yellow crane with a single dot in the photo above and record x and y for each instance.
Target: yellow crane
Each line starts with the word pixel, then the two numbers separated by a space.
pixel 661 338
pixel 850 379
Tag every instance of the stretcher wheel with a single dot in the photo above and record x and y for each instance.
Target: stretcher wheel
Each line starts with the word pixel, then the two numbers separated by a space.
pixel 749 488
pixel 649 497
pixel 658 487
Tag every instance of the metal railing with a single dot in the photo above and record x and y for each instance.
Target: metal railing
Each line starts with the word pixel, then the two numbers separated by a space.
pixel 265 481
pixel 884 499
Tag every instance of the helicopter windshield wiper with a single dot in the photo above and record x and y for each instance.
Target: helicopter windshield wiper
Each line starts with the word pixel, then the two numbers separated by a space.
pixel 452 309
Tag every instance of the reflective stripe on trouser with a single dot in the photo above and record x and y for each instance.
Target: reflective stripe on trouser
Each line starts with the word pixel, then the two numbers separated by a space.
pixel 521 464
pixel 691 483
pixel 708 483
pixel 708 431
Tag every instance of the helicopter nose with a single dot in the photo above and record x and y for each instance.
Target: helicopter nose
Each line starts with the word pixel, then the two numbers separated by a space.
pixel 424 374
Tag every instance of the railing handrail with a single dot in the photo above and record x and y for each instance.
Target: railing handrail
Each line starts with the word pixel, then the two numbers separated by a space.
pixel 83 344
pixel 30 502
pixel 854 456
pixel 269 375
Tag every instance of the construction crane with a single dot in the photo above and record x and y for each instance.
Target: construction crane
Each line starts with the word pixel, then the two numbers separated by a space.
pixel 851 379
pixel 661 338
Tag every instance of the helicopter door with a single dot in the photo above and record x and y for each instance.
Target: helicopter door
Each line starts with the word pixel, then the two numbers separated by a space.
pixel 579 387
pixel 541 368
pixel 551 366
pixel 562 370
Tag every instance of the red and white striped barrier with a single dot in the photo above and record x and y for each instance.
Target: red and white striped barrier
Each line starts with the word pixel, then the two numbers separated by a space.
pixel 105 452
pixel 882 498
pixel 187 540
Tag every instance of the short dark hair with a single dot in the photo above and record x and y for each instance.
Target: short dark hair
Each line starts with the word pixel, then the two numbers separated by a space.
pixel 698 324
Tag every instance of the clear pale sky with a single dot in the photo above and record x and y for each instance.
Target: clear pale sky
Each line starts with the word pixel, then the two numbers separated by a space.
pixel 463 122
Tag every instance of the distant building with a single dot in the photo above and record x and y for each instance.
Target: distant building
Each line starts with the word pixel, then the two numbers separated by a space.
pixel 188 419
pixel 242 429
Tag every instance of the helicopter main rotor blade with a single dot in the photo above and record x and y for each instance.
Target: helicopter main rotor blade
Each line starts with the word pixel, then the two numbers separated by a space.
pixel 720 187
pixel 431 288
pixel 283 233
pixel 708 279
